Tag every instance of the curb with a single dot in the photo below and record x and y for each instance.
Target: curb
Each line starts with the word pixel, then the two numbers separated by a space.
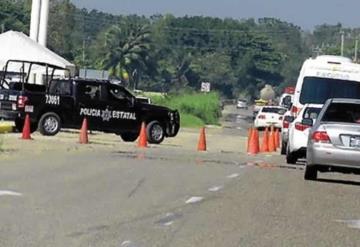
pixel 6 127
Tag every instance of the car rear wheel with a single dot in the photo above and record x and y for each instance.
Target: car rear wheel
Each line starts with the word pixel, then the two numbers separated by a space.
pixel 310 173
pixel 155 132
pixel 283 148
pixel 49 124
pixel 129 137
pixel 291 157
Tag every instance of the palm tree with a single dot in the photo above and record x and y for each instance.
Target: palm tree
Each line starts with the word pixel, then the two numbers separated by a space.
pixel 126 52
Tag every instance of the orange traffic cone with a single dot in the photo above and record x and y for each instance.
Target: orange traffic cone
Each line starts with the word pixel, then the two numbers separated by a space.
pixel 254 143
pixel 26 133
pixel 202 140
pixel 265 143
pixel 272 147
pixel 143 138
pixel 249 138
pixel 84 132
pixel 277 138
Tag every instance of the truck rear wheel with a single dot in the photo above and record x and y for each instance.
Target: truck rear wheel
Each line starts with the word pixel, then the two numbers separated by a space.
pixel 155 132
pixel 129 137
pixel 19 125
pixel 49 124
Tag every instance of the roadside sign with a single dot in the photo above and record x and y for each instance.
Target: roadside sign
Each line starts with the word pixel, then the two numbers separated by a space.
pixel 205 87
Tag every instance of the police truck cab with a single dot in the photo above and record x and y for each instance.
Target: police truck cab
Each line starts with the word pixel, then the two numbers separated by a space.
pixel 64 103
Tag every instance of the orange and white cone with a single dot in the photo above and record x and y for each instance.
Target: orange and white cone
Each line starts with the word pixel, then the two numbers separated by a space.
pixel 249 138
pixel 143 138
pixel 26 132
pixel 272 147
pixel 84 139
pixel 202 140
pixel 265 142
pixel 254 143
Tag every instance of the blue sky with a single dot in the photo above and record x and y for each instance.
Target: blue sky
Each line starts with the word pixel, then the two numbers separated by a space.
pixel 305 13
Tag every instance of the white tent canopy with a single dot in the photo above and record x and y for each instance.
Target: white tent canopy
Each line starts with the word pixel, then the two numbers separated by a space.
pixel 18 46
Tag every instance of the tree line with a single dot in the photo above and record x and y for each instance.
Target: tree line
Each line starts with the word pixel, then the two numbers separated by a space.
pixel 167 53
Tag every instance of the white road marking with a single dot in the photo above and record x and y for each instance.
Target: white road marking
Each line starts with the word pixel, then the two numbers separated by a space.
pixel 235 175
pixel 215 188
pixel 194 199
pixel 169 223
pixel 351 223
pixel 9 193
pixel 126 243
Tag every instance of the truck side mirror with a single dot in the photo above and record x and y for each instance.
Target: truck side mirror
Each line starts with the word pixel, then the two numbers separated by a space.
pixel 132 101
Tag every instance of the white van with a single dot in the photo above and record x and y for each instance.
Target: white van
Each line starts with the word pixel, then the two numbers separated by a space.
pixel 326 77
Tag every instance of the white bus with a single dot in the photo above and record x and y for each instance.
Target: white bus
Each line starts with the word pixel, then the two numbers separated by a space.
pixel 326 77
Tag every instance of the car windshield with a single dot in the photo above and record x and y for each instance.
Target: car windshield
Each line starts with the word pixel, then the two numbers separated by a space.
pixel 311 112
pixel 274 110
pixel 317 90
pixel 343 113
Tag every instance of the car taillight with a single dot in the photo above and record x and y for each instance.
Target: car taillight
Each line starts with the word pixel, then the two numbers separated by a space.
pixel 295 110
pixel 301 127
pixel 21 103
pixel 262 117
pixel 320 136
pixel 286 124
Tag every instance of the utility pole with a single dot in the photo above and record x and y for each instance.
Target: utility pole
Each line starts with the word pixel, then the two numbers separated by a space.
pixel 356 50
pixel 342 42
pixel 2 27
pixel 83 52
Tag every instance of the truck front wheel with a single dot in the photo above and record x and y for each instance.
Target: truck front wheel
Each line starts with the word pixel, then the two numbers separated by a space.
pixel 155 132
pixel 49 124
pixel 129 137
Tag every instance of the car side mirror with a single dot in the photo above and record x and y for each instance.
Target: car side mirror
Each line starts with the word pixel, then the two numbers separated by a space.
pixel 289 106
pixel 289 119
pixel 307 122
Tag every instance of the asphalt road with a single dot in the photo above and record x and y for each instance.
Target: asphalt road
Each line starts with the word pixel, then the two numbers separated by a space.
pixel 54 192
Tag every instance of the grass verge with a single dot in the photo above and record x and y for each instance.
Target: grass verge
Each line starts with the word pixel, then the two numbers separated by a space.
pixel 196 109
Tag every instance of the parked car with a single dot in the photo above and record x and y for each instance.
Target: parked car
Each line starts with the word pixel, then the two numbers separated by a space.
pixel 334 140
pixel 287 120
pixel 242 104
pixel 269 116
pixel 299 133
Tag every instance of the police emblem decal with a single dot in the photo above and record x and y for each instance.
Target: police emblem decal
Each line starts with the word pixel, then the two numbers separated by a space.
pixel 106 115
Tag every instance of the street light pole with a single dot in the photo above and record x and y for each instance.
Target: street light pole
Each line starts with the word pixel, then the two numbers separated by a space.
pixel 342 42
pixel 356 49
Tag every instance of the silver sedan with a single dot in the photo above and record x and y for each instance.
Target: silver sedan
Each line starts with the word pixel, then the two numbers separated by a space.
pixel 334 140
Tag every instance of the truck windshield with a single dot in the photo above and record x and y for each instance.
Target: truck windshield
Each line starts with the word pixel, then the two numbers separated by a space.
pixel 317 90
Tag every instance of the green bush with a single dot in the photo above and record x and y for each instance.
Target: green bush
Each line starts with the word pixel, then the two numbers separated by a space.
pixel 196 109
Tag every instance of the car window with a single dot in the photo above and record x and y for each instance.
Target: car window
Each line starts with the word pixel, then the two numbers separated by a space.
pixel 342 112
pixel 88 91
pixel 60 87
pixel 286 101
pixel 318 90
pixel 117 93
pixel 311 112
pixel 274 110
